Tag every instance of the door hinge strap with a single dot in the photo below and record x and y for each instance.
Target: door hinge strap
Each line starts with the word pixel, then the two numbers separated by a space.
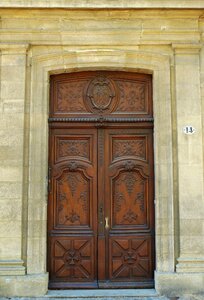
pixel 49 188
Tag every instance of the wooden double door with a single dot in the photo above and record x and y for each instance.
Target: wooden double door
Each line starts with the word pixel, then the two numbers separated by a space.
pixel 100 206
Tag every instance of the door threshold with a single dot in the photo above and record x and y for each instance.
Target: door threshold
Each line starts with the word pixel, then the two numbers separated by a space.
pixel 107 293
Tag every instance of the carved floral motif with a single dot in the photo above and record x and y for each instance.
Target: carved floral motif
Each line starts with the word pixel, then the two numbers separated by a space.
pixel 130 257
pixel 130 180
pixel 72 166
pixel 72 199
pixel 72 217
pixel 74 148
pixel 130 216
pixel 118 199
pixel 72 257
pixel 128 197
pixel 139 198
pixel 70 96
pixel 129 165
pixel 83 199
pixel 129 148
pixel 132 96
pixel 73 181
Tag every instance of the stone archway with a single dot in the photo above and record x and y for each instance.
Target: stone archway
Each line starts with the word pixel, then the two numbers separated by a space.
pixel 134 61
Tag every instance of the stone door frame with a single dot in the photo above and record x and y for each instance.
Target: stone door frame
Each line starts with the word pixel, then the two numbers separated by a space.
pixel 62 61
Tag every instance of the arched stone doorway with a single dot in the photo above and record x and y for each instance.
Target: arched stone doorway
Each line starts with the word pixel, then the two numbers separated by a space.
pixel 135 61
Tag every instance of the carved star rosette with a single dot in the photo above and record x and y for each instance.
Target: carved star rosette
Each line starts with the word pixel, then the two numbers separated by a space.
pixel 100 95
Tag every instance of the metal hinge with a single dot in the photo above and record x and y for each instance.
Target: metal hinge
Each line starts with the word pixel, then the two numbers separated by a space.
pixel 49 188
pixel 152 231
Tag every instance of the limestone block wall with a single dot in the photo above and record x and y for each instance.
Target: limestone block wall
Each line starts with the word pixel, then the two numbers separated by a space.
pixel 190 158
pixel 168 44
pixel 13 68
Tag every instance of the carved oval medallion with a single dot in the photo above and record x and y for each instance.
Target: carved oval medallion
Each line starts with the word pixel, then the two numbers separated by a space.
pixel 101 95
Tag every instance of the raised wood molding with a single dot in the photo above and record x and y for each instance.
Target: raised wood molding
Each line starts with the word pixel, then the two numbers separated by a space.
pixel 101 120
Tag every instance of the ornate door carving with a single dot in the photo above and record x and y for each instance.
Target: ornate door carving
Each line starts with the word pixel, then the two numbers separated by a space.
pixel 100 207
pixel 72 207
pixel 129 205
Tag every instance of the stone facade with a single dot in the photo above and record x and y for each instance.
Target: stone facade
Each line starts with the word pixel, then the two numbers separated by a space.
pixel 168 44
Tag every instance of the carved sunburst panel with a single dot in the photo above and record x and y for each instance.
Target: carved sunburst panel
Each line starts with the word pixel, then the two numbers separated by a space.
pixel 130 258
pixel 73 258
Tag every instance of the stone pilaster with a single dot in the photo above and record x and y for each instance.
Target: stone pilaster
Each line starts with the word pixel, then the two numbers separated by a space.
pixel 12 99
pixel 190 159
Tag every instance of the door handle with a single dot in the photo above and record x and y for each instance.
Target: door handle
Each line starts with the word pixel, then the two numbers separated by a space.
pixel 106 223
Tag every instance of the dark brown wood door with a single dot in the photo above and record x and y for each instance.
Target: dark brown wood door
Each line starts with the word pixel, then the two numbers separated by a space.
pixel 100 207
pixel 73 208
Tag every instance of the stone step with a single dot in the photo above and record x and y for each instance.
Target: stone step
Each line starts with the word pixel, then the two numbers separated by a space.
pixel 91 298
pixel 100 298
pixel 114 294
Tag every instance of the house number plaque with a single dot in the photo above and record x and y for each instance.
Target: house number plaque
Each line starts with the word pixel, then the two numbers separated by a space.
pixel 189 129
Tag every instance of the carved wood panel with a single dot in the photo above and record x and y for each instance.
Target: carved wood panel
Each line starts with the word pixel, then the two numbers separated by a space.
pixel 70 96
pixel 130 258
pixel 129 205
pixel 73 259
pixel 101 93
pixel 72 199
pixel 130 189
pixel 133 96
pixel 73 146
pixel 72 205
pixel 135 146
